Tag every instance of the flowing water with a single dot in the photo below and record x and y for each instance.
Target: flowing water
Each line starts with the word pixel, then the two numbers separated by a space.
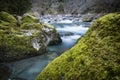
pixel 70 33
pixel 28 69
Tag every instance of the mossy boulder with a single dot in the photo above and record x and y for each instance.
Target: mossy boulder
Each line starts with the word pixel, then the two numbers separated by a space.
pixel 7 22
pixel 48 31
pixel 21 40
pixel 29 18
pixel 14 47
pixel 96 56
pixel 7 17
pixel 29 22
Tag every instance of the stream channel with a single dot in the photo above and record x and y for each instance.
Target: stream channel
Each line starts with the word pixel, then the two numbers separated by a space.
pixel 28 69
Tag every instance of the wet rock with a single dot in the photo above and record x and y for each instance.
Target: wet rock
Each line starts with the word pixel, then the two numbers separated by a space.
pixel 52 34
pixel 88 17
pixel 66 33
pixel 4 72
pixel 25 39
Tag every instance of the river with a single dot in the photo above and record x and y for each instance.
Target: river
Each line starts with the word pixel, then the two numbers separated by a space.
pixel 28 69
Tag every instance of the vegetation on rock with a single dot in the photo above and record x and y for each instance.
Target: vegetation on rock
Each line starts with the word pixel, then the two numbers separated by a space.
pixel 22 39
pixel 96 56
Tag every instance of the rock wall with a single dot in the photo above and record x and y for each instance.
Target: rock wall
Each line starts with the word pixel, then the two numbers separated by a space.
pixel 75 6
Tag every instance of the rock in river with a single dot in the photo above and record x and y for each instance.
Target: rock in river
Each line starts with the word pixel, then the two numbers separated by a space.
pixel 24 38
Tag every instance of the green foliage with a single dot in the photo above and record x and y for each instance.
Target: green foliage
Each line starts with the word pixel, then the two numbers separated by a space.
pixel 96 56
pixel 15 6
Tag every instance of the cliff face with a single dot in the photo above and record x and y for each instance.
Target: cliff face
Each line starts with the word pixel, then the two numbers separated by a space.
pixel 96 56
pixel 75 6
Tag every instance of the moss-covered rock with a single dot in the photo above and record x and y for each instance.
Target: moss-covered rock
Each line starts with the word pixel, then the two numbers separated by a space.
pixel 24 39
pixel 7 22
pixel 13 47
pixel 29 18
pixel 96 56
pixel 7 17
pixel 30 22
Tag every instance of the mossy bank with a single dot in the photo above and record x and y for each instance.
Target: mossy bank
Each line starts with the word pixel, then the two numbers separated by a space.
pixel 22 37
pixel 96 56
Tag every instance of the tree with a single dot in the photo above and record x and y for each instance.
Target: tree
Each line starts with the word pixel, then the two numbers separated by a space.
pixel 15 6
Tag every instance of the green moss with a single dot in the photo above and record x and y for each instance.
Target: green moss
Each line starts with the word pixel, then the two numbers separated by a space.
pixel 30 22
pixel 28 18
pixel 18 40
pixel 16 47
pixel 96 56
pixel 48 26
pixel 7 17
pixel 31 26
pixel 14 44
pixel 8 23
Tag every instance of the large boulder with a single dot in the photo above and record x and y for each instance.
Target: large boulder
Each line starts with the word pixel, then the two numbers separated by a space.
pixel 88 17
pixel 22 39
pixel 48 31
pixel 96 56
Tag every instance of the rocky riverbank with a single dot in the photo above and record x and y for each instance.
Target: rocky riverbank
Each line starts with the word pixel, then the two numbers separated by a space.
pixel 25 37
pixel 69 18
